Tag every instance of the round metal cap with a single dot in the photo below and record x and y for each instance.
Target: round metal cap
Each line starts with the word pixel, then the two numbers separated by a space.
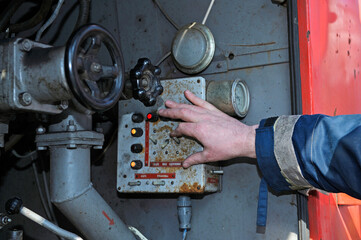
pixel 240 98
pixel 193 48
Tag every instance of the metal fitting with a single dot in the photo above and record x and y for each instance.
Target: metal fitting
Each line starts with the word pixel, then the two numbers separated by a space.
pixel 26 45
pixel 184 206
pixel 4 220
pixel 96 67
pixel 63 105
pixel 25 99
pixel 98 147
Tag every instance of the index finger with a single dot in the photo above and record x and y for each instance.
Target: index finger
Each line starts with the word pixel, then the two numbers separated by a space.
pixel 198 101
pixel 180 113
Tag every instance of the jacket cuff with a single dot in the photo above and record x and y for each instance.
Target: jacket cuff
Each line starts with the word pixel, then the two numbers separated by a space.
pixel 275 154
pixel 266 158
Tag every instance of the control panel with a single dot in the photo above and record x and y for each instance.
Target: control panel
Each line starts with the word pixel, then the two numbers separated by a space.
pixel 149 160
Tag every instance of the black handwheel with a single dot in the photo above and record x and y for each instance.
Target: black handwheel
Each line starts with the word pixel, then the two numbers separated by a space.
pixel 95 85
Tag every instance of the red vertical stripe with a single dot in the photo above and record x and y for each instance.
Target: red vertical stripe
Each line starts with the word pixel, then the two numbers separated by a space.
pixel 146 159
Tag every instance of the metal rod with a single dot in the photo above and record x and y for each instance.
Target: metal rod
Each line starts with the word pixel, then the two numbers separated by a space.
pixel 208 11
pixel 48 225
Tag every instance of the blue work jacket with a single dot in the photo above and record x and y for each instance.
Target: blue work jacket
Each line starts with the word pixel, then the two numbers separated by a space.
pixel 311 152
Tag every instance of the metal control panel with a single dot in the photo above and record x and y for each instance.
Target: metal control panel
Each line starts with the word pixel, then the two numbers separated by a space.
pixel 149 160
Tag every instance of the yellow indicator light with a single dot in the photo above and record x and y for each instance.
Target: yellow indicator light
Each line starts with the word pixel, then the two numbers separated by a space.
pixel 132 164
pixel 133 131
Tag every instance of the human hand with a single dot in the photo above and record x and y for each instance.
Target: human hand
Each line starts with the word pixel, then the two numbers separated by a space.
pixel 222 136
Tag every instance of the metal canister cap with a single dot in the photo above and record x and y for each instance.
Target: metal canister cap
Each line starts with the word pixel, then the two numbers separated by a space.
pixel 193 48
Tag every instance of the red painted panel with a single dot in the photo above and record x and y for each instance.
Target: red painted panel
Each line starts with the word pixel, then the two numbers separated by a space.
pixel 330 57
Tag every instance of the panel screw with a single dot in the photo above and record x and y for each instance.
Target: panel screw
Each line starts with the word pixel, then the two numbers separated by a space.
pixel 25 99
pixel 26 45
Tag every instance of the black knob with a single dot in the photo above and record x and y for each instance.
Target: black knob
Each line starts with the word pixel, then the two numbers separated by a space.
pixel 136 148
pixel 137 118
pixel 13 205
pixel 137 132
pixel 136 164
pixel 145 82
pixel 152 117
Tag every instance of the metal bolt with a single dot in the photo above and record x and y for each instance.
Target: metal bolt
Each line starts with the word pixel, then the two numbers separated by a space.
pixel 96 67
pixel 63 105
pixel 26 45
pixel 40 130
pixel 71 127
pixel 219 65
pixel 42 148
pixel 25 98
pixel 71 146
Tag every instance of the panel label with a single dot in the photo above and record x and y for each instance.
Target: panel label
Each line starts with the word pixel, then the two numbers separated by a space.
pixel 166 164
pixel 155 176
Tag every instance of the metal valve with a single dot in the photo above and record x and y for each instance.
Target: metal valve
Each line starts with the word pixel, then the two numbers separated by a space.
pixel 95 85
pixel 145 82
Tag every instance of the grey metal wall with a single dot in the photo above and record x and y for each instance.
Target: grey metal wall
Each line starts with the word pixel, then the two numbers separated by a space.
pixel 255 32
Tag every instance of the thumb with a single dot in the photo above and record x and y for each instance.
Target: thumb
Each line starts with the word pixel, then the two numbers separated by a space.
pixel 193 159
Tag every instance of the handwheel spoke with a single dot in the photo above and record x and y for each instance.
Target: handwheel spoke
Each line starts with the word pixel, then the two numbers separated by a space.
pixel 95 45
pixel 109 72
pixel 80 63
pixel 94 88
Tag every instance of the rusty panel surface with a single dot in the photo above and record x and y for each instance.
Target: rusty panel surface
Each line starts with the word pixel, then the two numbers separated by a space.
pixel 162 155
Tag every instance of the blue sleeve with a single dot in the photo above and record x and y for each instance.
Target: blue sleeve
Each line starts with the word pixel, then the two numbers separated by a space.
pixel 322 152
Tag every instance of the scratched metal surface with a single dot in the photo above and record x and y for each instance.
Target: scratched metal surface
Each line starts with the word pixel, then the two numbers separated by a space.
pixel 255 31
pixel 162 149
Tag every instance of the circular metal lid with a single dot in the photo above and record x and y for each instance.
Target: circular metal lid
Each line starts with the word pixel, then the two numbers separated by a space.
pixel 193 48
pixel 240 98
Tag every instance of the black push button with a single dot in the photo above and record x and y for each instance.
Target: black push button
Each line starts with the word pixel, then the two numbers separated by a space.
pixel 137 118
pixel 136 148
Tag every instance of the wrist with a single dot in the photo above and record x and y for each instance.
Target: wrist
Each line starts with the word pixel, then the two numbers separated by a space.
pixel 250 142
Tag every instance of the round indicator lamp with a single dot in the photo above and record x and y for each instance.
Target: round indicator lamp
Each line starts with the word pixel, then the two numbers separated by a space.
pixel 136 164
pixel 152 117
pixel 136 132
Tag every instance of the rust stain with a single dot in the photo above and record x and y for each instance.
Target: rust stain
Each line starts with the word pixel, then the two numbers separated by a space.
pixel 195 188
pixel 166 127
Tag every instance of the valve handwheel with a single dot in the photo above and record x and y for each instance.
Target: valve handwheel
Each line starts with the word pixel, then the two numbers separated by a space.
pixel 95 85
